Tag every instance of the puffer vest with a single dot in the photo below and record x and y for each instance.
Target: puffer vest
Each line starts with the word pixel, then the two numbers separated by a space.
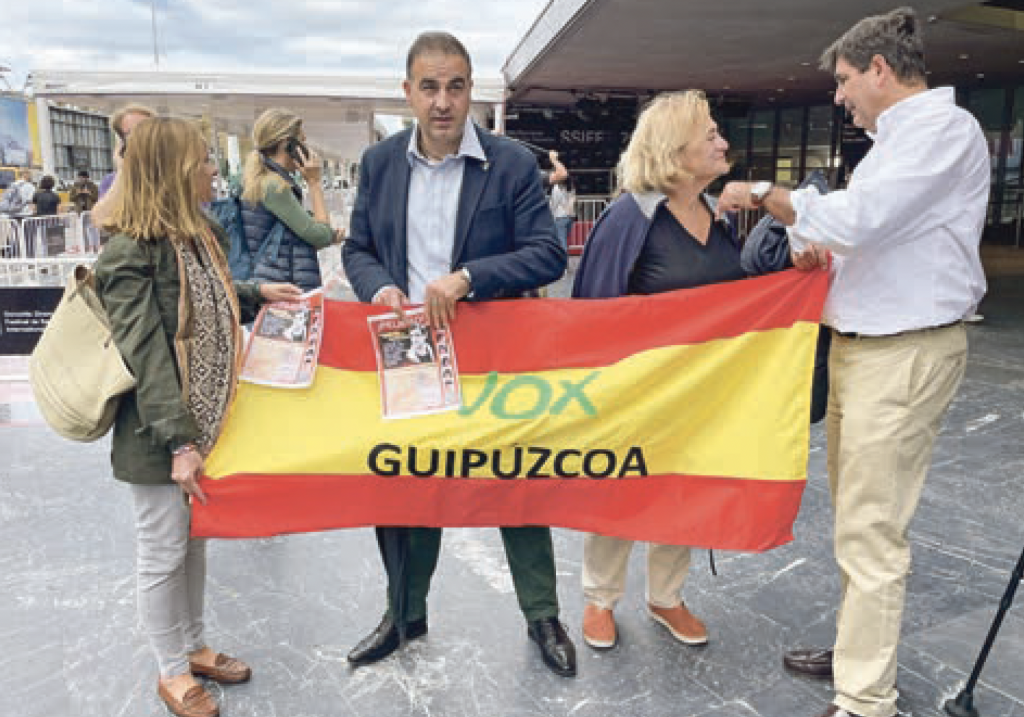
pixel 287 258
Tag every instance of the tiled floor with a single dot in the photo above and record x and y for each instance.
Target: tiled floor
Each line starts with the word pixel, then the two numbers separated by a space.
pixel 293 606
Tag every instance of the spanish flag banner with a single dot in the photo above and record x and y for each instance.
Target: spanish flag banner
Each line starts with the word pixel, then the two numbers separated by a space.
pixel 677 418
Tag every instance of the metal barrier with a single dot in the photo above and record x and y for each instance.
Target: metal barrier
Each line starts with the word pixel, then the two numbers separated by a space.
pixel 43 250
pixel 11 244
pixel 90 233
pixel 52 235
pixel 339 206
pixel 12 249
pixel 588 209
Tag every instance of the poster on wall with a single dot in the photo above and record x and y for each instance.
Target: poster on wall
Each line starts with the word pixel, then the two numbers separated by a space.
pixel 24 311
pixel 15 137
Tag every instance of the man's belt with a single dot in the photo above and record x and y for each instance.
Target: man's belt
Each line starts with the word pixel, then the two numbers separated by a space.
pixel 857 335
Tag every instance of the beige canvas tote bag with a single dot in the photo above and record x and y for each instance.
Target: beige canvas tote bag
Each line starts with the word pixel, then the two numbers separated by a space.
pixel 77 373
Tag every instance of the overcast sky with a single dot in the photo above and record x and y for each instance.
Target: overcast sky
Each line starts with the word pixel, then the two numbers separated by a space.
pixel 298 36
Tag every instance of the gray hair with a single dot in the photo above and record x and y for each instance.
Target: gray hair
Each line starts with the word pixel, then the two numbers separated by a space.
pixel 895 36
pixel 436 43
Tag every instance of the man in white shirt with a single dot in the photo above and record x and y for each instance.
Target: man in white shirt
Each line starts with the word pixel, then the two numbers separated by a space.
pixel 904 242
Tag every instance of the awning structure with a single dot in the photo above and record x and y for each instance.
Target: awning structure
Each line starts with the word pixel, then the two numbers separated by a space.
pixel 338 111
pixel 740 47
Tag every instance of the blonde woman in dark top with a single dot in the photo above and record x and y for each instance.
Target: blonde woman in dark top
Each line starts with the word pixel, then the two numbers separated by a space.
pixel 659 235
pixel 174 314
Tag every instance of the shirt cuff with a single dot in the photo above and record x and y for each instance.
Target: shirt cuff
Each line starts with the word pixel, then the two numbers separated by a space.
pixel 800 199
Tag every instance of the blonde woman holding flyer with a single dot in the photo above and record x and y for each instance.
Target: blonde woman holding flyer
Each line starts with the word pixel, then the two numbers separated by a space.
pixel 174 313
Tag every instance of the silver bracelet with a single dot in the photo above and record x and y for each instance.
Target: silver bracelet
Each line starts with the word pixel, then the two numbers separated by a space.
pixel 184 448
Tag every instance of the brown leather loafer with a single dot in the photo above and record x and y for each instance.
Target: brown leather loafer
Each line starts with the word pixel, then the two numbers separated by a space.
pixel 197 702
pixel 813 662
pixel 225 670
pixel 682 624
pixel 599 627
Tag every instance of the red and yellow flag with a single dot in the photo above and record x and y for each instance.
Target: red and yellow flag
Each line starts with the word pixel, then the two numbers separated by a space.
pixel 677 418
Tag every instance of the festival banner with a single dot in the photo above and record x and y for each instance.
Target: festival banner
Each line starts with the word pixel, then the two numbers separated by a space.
pixel 678 418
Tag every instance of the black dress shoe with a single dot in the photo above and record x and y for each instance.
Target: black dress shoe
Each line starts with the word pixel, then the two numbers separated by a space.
pixel 814 662
pixel 555 646
pixel 384 640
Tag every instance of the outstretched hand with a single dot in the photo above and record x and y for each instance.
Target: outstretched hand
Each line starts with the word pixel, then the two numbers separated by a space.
pixel 280 292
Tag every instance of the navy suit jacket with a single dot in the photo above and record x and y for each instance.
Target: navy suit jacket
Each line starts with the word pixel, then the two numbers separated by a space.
pixel 504 231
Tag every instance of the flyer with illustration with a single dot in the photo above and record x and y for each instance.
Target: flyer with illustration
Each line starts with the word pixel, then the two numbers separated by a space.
pixel 284 345
pixel 415 364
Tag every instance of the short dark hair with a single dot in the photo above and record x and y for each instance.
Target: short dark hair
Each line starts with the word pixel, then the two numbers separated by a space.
pixel 47 183
pixel 895 36
pixel 436 43
pixel 83 174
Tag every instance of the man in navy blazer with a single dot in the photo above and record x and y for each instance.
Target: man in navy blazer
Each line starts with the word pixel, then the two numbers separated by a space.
pixel 448 212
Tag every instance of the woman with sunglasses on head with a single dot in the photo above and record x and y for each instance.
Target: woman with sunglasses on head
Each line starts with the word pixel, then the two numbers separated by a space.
pixel 175 315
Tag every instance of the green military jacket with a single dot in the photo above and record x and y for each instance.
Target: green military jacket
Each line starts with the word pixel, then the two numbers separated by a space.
pixel 139 285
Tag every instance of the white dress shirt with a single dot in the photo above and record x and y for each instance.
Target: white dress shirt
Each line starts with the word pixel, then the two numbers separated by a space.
pixel 434 189
pixel 905 234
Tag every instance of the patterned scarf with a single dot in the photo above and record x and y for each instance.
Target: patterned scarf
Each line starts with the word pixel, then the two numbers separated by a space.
pixel 208 337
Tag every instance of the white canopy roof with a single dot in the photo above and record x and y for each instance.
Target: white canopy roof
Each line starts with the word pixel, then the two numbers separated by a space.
pixel 337 111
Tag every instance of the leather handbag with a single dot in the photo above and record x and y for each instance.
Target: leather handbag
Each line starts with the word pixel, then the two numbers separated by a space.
pixel 77 373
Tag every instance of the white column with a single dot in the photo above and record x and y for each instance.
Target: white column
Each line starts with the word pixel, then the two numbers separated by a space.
pixel 215 146
pixel 499 118
pixel 45 135
pixel 234 155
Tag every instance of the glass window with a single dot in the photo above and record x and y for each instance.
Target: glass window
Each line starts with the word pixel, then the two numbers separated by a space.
pixel 987 107
pixel 80 135
pixel 787 159
pixel 1013 187
pixel 819 140
pixel 762 145
pixel 735 131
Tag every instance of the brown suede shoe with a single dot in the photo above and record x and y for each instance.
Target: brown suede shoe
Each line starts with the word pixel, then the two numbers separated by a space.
pixel 197 702
pixel 682 623
pixel 225 670
pixel 599 627
pixel 813 662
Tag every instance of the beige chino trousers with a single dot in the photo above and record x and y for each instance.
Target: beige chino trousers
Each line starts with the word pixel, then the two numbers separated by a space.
pixel 887 399
pixel 605 561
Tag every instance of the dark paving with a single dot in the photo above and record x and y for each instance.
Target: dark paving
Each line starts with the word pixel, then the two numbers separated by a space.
pixel 293 606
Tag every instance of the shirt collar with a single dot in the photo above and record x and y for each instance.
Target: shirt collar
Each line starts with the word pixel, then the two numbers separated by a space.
pixel 908 106
pixel 470 146
pixel 650 202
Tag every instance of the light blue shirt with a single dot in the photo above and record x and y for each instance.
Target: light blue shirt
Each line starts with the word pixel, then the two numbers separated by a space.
pixel 434 189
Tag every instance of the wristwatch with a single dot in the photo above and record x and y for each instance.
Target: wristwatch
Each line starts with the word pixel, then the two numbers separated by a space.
pixel 759 192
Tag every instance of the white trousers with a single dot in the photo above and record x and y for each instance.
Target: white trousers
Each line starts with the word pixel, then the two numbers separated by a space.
pixel 171 573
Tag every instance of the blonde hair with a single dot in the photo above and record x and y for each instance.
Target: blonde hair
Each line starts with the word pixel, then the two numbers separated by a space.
pixel 159 186
pixel 670 122
pixel 118 117
pixel 271 129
